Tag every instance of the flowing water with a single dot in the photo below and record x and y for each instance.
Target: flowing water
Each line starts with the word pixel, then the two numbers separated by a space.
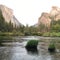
pixel 15 50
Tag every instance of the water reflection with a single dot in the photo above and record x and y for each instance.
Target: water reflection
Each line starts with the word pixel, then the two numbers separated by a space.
pixel 55 56
pixel 32 51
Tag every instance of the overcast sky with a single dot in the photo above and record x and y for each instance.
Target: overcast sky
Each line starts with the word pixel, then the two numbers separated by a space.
pixel 28 11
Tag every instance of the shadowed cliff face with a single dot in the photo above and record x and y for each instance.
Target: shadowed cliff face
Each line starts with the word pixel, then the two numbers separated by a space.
pixel 8 15
pixel 46 18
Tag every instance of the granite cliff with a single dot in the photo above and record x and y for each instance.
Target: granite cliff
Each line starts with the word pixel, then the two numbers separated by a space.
pixel 46 18
pixel 8 15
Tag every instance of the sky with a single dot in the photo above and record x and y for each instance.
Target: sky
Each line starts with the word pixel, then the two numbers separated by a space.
pixel 28 11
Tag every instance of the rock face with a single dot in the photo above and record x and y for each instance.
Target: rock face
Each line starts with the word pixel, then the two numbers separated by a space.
pixel 8 15
pixel 46 18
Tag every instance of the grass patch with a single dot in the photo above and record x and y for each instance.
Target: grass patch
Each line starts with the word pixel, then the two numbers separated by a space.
pixel 11 34
pixel 5 38
pixel 32 44
pixel 51 34
pixel 51 47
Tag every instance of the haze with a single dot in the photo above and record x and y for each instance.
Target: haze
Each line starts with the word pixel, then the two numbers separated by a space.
pixel 28 11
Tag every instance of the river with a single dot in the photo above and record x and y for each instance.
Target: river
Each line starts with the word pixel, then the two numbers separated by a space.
pixel 16 50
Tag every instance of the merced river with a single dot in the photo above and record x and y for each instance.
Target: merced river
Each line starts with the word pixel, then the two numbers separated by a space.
pixel 16 50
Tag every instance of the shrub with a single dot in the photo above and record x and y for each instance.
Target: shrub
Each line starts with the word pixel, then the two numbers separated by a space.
pixel 32 44
pixel 46 34
pixel 51 47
